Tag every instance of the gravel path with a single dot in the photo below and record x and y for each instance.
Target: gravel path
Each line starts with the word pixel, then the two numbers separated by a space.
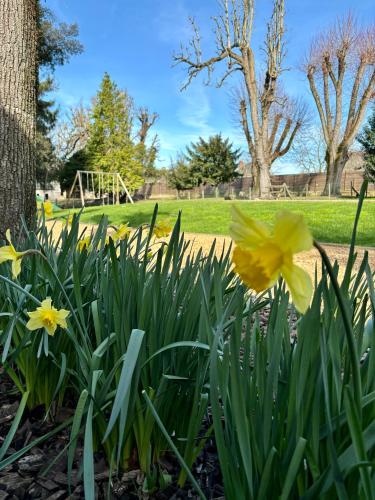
pixel 307 260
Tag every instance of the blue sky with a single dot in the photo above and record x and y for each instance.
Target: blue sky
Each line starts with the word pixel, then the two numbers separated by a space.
pixel 134 42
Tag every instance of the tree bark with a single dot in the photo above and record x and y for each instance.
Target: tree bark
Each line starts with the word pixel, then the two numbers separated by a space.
pixel 264 181
pixel 336 162
pixel 18 63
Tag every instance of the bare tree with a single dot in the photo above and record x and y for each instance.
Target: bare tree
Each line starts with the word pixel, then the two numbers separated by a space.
pixel 18 61
pixel 146 121
pixel 341 72
pixel 258 108
pixel 148 154
pixel 72 134
pixel 308 150
pixel 285 118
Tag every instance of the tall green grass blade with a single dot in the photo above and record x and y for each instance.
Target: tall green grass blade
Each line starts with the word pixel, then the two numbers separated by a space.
pixel 173 446
pixel 293 469
pixel 128 367
pixel 13 428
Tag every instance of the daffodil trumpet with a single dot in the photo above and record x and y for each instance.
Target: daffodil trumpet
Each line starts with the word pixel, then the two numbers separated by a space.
pixel 162 229
pixel 47 208
pixel 9 253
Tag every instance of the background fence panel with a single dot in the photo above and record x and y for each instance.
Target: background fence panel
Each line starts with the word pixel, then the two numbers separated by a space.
pixel 307 185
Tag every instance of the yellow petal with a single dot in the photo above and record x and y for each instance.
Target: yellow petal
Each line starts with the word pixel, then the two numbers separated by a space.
pixel 299 284
pixel 51 329
pixel 34 323
pixel 7 234
pixel 7 253
pixel 46 304
pixel 48 208
pixel 33 314
pixel 61 316
pixel 292 233
pixel 252 270
pixel 84 244
pixel 122 232
pixel 162 229
pixel 246 231
pixel 16 267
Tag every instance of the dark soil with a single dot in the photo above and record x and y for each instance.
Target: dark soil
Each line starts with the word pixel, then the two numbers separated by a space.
pixel 26 478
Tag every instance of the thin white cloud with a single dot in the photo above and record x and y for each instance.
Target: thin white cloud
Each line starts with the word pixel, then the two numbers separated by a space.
pixel 67 100
pixel 195 110
pixel 172 24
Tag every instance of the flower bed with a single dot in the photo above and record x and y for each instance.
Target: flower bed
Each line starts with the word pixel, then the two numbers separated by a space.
pixel 126 351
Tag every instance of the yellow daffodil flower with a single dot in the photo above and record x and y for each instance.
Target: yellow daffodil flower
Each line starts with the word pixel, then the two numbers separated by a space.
pixel 162 229
pixel 260 256
pixel 122 232
pixel 48 317
pixel 84 244
pixel 69 220
pixel 10 253
pixel 48 208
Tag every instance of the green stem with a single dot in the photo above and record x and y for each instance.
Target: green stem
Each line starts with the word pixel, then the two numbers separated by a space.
pixel 347 326
pixel 20 289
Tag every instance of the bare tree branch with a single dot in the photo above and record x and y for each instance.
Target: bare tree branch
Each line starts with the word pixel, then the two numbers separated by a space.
pixel 146 121
pixel 345 53
pixel 72 134
pixel 262 125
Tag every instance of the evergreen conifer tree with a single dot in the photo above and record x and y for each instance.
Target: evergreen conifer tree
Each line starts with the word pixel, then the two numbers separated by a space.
pixel 213 161
pixel 110 147
pixel 367 140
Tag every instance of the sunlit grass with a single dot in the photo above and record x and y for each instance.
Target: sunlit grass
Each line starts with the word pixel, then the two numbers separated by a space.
pixel 330 222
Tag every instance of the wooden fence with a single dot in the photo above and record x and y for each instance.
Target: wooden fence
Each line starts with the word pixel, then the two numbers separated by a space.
pixel 310 185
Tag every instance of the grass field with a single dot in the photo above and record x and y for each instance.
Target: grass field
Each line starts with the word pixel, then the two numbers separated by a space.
pixel 330 222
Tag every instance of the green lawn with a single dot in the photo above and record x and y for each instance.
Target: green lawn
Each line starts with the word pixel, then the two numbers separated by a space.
pixel 329 221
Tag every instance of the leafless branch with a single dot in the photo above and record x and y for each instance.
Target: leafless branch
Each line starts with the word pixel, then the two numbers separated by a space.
pixel 72 133
pixel 341 55
pixel 146 121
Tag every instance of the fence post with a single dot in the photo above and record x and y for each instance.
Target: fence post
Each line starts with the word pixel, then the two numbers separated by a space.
pixel 329 190
pixel 249 192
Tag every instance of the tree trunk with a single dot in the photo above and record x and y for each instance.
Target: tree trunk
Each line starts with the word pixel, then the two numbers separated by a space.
pixel 18 48
pixel 264 180
pixel 335 167
pixel 255 178
pixel 341 161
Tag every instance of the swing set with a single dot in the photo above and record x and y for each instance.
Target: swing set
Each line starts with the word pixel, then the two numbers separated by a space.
pixel 102 183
